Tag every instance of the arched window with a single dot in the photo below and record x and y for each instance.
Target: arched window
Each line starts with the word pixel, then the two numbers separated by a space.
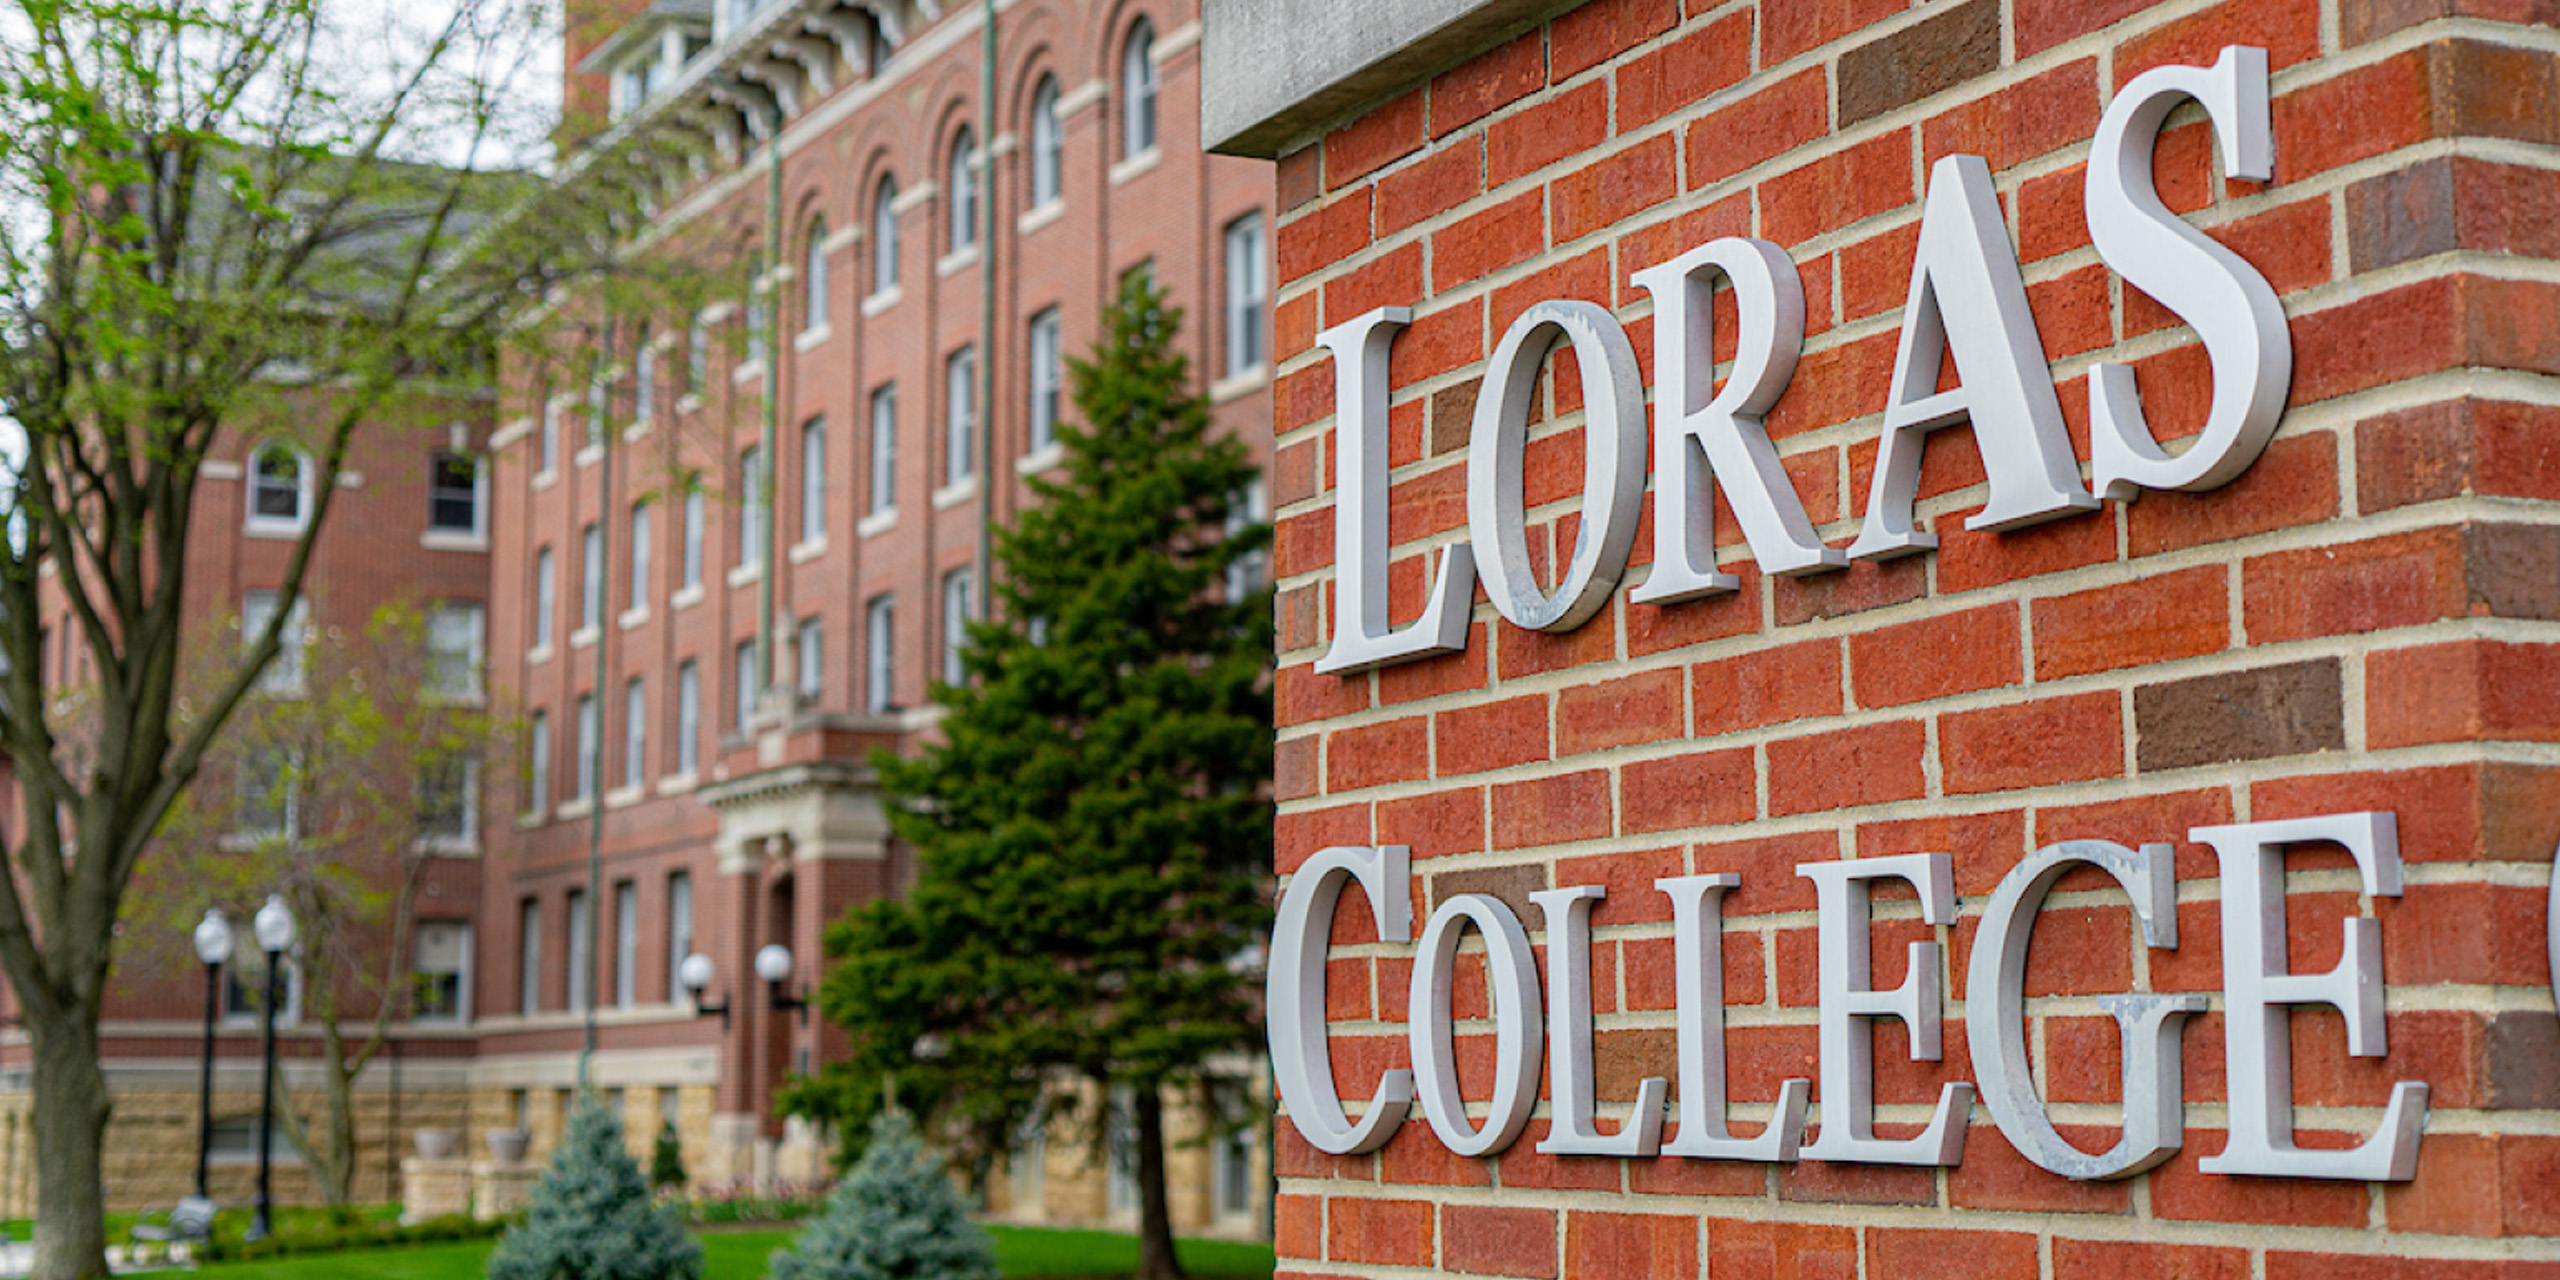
pixel 884 237
pixel 279 488
pixel 1138 90
pixel 1047 143
pixel 964 190
pixel 813 276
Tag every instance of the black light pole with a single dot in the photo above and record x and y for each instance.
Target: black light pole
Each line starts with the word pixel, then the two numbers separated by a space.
pixel 274 929
pixel 213 946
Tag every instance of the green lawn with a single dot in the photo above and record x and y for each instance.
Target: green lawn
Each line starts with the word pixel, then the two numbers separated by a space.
pixel 1022 1253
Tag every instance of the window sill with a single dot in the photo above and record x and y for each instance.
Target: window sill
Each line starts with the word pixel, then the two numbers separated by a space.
pixel 952 495
pixel 469 848
pixel 588 454
pixel 537 655
pixel 632 619
pixel 956 261
pixel 278 530
pixel 870 526
pixel 1034 219
pixel 453 540
pixel 1137 166
pixel 686 598
pixel 1041 459
pixel 812 339
pixel 808 549
pixel 676 784
pixel 625 797
pixel 545 478
pixel 690 402
pixel 585 637
pixel 1239 385
pixel 746 373
pixel 746 575
pixel 636 431
pixel 532 821
pixel 574 809
pixel 881 301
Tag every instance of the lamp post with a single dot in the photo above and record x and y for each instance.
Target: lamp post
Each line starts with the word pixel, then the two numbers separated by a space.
pixel 273 927
pixel 213 946
pixel 696 973
pixel 773 964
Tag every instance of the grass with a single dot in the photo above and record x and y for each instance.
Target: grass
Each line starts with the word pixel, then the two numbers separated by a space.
pixel 1022 1253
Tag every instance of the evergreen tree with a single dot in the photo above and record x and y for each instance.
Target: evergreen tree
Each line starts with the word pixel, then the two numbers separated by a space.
pixel 1094 835
pixel 591 1217
pixel 895 1217
pixel 666 1160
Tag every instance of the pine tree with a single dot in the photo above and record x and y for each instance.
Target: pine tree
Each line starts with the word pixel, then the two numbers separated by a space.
pixel 895 1217
pixel 1094 835
pixel 591 1217
pixel 666 1160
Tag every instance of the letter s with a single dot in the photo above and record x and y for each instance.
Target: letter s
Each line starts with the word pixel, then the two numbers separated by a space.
pixel 2230 305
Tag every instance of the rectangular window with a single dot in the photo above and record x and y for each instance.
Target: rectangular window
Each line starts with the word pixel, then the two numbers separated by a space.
pixel 813 480
pixel 546 598
pixel 582 940
pixel 640 547
pixel 955 623
pixel 1045 380
pixel 529 957
pixel 440 972
pixel 750 508
pixel 635 732
pixel 880 651
pixel 550 435
pixel 591 578
pixel 747 684
pixel 537 785
pixel 812 646
pixel 679 929
pixel 454 631
pixel 688 717
pixel 269 794
pixel 697 357
pixel 586 745
pixel 453 493
pixel 449 802
pixel 1248 296
pixel 626 945
pixel 644 381
pixel 961 421
pixel 1251 571
pixel 693 536
pixel 884 449
pixel 284 674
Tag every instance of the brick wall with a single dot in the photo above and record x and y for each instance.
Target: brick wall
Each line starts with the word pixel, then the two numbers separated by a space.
pixel 2361 621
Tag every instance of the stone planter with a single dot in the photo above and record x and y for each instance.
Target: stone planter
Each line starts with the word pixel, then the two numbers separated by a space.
pixel 507 1146
pixel 437 1144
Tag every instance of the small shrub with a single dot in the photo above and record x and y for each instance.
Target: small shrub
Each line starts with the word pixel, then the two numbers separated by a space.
pixel 895 1217
pixel 591 1217
pixel 666 1160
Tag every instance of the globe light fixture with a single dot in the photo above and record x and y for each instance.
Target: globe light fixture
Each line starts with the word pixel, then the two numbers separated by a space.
pixel 214 939
pixel 774 964
pixel 695 975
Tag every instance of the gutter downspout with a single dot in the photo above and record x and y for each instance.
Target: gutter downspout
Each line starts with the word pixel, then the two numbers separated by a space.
pixel 599 412
pixel 981 575
pixel 770 431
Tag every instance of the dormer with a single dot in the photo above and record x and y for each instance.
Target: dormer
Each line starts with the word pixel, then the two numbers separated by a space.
pixel 643 59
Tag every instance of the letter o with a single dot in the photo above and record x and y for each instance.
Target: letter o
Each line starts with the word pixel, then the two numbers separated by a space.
pixel 1518 1028
pixel 1613 458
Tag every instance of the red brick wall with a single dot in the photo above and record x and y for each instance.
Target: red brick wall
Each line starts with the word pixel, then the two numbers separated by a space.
pixel 2360 621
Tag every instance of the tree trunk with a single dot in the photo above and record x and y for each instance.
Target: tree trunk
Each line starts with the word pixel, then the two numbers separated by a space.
pixel 1156 1260
pixel 70 1131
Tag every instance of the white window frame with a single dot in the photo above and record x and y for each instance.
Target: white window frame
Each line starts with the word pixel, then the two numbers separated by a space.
pixel 637 580
pixel 694 520
pixel 1048 389
pixel 644 381
pixel 751 548
pixel 884 449
pixel 964 190
pixel 546 598
pixel 810 646
pixel 813 481
pixel 1048 146
pixel 679 930
pixel 956 588
pixel 587 726
pixel 284 676
pixel 626 944
pixel 474 654
pixel 743 674
pixel 1248 336
pixel 582 941
pixel 538 765
pixel 884 236
pixel 814 286
pixel 635 732
pixel 960 416
pixel 461 1015
pixel 529 957
pixel 880 654
pixel 1139 90
pixel 591 571
pixel 468 838
pixel 305 475
pixel 688 717
pixel 479 526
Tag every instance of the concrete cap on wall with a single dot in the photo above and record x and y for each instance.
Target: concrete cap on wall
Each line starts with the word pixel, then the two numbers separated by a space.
pixel 1275 72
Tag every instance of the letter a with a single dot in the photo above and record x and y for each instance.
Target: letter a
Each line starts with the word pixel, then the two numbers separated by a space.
pixel 1966 294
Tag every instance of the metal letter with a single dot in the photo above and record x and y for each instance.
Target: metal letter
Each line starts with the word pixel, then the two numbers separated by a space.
pixel 2232 308
pixel 1516 1028
pixel 1966 294
pixel 1995 1010
pixel 1362 637
pixel 2258 990
pixel 1612 465
pixel 1301 1067
pixel 1697 956
pixel 1695 436
pixel 1571 1132
pixel 1847 1130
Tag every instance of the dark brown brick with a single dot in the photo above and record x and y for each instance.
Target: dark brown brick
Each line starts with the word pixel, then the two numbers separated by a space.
pixel 2286 710
pixel 1931 57
pixel 2522 1061
pixel 2515 570
pixel 1511 884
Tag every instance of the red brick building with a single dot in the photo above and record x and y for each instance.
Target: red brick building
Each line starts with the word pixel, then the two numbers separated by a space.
pixel 2349 622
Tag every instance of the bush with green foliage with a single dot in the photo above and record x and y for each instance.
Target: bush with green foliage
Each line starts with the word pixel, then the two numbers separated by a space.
pixel 591 1217
pixel 895 1217
pixel 666 1159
